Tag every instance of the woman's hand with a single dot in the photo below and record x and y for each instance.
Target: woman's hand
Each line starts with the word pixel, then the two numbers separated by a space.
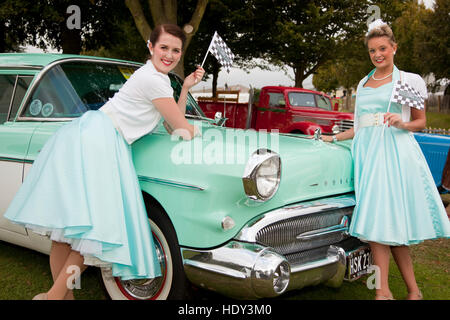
pixel 327 138
pixel 395 120
pixel 194 78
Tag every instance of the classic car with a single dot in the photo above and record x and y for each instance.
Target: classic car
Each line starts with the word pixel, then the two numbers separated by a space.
pixel 244 213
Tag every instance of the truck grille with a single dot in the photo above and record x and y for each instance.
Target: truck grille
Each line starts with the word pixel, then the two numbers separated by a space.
pixel 303 232
pixel 345 124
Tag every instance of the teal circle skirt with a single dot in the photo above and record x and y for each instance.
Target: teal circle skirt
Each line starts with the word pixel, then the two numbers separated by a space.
pixel 83 190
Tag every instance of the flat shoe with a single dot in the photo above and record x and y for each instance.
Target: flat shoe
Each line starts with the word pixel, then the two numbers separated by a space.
pixel 416 295
pixel 41 296
pixel 383 297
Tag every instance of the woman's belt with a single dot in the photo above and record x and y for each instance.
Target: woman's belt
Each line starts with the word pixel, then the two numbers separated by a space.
pixel 371 120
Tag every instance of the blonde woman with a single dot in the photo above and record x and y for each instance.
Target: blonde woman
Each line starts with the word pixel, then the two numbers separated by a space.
pixel 397 203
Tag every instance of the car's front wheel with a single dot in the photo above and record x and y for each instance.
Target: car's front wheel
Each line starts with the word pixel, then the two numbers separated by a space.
pixel 171 285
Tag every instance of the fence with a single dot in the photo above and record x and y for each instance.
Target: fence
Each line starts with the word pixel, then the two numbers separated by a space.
pixel 438 103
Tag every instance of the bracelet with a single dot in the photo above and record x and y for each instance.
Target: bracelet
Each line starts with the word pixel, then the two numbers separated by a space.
pixel 334 139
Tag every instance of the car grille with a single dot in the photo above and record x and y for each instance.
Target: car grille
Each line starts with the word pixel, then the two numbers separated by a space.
pixel 283 236
pixel 345 124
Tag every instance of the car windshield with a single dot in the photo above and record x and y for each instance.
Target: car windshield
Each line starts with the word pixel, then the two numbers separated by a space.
pixel 192 107
pixel 301 99
pixel 71 88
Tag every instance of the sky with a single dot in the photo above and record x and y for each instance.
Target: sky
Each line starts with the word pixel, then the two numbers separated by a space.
pixel 256 78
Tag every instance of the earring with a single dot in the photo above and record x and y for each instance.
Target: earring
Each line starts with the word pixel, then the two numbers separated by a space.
pixel 151 52
pixel 395 52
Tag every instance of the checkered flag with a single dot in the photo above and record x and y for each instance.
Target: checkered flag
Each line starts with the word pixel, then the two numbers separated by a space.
pixel 408 96
pixel 220 50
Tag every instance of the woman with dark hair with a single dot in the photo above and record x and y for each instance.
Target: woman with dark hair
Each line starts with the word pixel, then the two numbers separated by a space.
pixel 397 202
pixel 97 214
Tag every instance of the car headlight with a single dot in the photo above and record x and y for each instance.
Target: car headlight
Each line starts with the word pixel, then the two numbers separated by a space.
pixel 262 175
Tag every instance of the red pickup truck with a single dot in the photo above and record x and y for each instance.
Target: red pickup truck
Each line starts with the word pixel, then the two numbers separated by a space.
pixel 288 109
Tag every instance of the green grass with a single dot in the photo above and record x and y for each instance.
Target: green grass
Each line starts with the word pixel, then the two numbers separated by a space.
pixel 438 120
pixel 24 273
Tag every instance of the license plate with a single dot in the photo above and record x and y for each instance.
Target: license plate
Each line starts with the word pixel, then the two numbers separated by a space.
pixel 357 263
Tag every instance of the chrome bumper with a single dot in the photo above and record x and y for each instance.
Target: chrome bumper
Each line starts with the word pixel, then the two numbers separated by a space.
pixel 251 271
pixel 282 250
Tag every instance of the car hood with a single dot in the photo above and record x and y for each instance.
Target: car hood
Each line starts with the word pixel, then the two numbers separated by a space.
pixel 310 168
pixel 199 182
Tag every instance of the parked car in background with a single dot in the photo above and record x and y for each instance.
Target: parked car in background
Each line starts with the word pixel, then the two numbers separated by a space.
pixel 435 148
pixel 244 213
pixel 287 109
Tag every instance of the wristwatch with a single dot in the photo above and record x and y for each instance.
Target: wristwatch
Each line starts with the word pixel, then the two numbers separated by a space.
pixel 334 138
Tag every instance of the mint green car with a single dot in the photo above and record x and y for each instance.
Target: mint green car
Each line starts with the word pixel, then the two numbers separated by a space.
pixel 247 214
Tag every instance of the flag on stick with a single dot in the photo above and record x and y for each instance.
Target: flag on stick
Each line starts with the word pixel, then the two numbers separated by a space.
pixel 407 95
pixel 220 50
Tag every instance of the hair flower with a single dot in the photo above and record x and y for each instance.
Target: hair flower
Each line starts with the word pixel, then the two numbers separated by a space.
pixel 375 25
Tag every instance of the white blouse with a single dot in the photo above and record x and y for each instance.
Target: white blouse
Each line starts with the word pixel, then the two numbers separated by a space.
pixel 131 108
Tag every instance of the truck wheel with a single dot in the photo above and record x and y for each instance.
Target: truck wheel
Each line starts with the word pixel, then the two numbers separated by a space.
pixel 173 283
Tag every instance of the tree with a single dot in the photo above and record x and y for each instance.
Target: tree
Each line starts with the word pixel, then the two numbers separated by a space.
pixel 166 11
pixel 407 28
pixel 433 42
pixel 234 22
pixel 46 23
pixel 305 36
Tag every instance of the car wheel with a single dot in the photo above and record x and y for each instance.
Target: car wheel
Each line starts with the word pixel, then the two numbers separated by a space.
pixel 171 285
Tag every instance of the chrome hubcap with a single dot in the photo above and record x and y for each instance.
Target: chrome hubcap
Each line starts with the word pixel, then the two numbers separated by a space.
pixel 146 289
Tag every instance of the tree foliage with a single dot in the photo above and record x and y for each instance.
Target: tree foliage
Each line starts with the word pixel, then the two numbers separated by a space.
pixel 166 11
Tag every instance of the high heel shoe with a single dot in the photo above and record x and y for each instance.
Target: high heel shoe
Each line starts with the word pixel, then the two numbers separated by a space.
pixel 41 296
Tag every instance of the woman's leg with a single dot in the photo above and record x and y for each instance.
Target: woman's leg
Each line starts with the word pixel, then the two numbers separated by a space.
pixel 381 256
pixel 403 260
pixel 60 289
pixel 59 253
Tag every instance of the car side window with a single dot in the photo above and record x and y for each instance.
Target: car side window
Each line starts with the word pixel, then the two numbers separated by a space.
pixel 323 102
pixel 23 82
pixel 71 88
pixel 54 97
pixel 7 83
pixel 301 99
pixel 276 100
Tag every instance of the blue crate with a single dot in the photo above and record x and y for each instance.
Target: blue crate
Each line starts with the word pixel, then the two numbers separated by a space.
pixel 435 148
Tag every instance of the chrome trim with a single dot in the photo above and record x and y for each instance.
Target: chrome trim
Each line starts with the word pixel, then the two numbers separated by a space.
pixel 46 119
pixel 38 77
pixel 249 177
pixel 170 183
pixel 251 271
pixel 240 270
pixel 20 67
pixel 341 227
pixel 12 98
pixel 317 134
pixel 250 231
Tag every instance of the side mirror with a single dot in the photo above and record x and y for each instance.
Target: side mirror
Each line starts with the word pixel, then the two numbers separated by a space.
pixel 219 120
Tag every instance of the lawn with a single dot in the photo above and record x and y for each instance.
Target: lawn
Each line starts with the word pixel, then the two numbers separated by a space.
pixel 24 273
pixel 438 120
